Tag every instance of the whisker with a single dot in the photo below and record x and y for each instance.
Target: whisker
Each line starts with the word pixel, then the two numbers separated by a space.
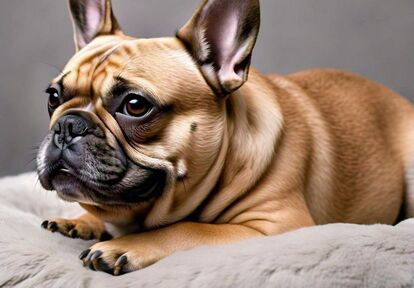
pixel 59 70
pixel 31 161
pixel 36 182
pixel 125 66
pixel 185 188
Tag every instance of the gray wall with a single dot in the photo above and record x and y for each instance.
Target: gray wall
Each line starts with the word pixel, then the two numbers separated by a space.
pixel 371 37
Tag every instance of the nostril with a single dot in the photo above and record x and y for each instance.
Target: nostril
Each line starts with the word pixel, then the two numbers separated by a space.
pixel 57 128
pixel 70 128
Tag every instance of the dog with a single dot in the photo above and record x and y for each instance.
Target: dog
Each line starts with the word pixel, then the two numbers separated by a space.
pixel 177 142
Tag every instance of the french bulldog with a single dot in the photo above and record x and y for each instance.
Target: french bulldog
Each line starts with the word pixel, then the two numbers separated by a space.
pixel 178 143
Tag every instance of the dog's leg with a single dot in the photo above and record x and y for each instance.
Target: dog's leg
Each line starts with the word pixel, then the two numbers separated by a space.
pixel 136 251
pixel 86 227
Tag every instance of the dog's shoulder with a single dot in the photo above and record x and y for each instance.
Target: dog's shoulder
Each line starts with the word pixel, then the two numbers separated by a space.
pixel 317 82
pixel 338 87
pixel 327 79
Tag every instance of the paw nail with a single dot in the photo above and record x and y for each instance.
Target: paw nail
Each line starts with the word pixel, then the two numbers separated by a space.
pixel 96 255
pixel 52 226
pixel 73 233
pixel 119 265
pixel 84 254
pixel 117 271
pixel 121 261
pixel 44 224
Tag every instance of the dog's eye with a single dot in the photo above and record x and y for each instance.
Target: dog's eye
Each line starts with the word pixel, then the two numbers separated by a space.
pixel 54 99
pixel 136 106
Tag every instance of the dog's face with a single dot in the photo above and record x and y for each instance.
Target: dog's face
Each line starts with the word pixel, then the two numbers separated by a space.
pixel 121 95
pixel 132 118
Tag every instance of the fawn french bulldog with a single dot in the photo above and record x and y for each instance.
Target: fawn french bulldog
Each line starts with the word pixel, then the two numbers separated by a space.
pixel 172 143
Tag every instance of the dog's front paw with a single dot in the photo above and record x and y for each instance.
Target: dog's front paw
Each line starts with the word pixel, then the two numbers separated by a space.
pixel 118 256
pixel 77 228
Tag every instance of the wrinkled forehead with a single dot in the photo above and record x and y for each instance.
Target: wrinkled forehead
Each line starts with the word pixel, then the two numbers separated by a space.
pixel 147 63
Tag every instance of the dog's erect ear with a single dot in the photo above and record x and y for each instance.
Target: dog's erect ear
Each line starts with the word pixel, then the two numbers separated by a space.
pixel 92 18
pixel 221 36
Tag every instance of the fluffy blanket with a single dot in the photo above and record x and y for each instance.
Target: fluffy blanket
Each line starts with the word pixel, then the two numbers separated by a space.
pixel 339 255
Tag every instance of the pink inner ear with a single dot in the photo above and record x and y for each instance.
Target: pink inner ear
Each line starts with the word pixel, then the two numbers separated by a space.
pixel 228 36
pixel 93 19
pixel 231 51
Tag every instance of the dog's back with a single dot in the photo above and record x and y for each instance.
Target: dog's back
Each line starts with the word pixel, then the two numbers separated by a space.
pixel 361 145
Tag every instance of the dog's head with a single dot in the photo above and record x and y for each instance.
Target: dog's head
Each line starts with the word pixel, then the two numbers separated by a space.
pixel 142 120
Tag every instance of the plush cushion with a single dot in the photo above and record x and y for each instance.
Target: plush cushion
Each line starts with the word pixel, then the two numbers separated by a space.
pixel 337 255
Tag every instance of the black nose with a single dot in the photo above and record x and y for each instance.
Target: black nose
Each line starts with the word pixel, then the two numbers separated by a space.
pixel 71 128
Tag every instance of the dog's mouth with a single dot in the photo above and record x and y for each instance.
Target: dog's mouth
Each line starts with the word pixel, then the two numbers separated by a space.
pixel 129 190
pixel 69 188
pixel 90 171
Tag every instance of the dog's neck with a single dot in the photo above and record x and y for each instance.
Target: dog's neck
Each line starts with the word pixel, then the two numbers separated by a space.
pixel 255 124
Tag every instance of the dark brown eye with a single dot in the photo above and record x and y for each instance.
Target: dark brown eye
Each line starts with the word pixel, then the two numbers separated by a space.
pixel 54 99
pixel 136 106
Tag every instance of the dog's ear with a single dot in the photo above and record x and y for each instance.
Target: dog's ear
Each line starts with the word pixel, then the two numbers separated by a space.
pixel 221 36
pixel 92 18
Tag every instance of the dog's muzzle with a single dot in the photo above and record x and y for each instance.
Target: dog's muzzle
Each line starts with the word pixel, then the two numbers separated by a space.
pixel 70 129
pixel 78 162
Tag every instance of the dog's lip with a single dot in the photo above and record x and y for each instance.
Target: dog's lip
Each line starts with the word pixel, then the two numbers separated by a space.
pixel 60 184
pixel 65 171
pixel 80 192
pixel 88 194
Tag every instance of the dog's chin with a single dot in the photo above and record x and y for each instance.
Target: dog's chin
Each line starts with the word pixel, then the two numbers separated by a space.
pixel 71 189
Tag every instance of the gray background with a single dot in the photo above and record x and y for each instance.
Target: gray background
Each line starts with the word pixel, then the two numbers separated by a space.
pixel 371 37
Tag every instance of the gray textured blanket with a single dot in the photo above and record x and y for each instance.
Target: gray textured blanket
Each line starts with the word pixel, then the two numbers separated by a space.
pixel 339 255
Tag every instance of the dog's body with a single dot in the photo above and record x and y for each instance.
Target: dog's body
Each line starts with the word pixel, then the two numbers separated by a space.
pixel 235 161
